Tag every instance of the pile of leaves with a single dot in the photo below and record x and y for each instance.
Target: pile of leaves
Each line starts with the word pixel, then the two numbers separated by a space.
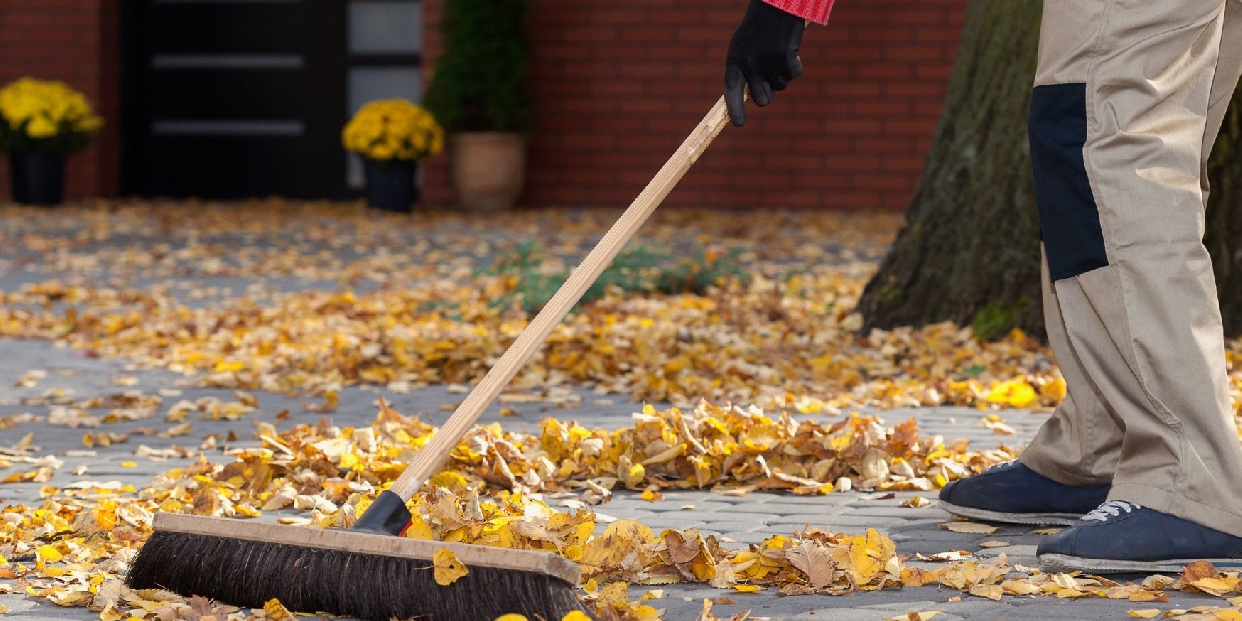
pixel 72 549
pixel 433 299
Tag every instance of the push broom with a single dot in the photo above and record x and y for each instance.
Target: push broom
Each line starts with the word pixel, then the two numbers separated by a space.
pixel 366 571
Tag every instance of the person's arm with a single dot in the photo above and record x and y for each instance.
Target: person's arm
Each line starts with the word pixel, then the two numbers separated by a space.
pixel 815 10
pixel 763 52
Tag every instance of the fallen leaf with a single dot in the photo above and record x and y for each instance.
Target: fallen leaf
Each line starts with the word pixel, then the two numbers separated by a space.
pixel 447 568
pixel 973 528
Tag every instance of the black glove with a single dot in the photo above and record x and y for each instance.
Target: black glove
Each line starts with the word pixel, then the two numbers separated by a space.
pixel 764 54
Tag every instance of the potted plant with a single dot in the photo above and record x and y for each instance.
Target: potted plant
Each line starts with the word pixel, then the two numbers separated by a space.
pixel 478 93
pixel 43 122
pixel 392 136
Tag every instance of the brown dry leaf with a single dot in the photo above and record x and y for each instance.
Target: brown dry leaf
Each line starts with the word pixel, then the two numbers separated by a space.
pixel 916 616
pixel 946 557
pixel 1149 596
pixel 812 560
pixel 973 528
pixel 1020 587
pixel 679 549
pixel 1199 570
pixel 1046 531
pixel 990 591
pixel 994 544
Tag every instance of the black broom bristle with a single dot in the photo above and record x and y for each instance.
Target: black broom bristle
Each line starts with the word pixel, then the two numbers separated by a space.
pixel 366 586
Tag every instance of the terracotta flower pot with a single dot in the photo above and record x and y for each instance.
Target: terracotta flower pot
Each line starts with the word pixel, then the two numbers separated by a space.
pixel 488 169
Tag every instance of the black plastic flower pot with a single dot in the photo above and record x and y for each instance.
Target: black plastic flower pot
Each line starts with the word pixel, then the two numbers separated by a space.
pixel 37 178
pixel 390 184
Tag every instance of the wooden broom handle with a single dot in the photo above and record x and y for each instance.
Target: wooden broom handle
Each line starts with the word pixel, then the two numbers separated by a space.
pixel 426 461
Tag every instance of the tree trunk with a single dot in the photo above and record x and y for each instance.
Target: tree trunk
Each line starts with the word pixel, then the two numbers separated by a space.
pixel 969 252
pixel 1224 217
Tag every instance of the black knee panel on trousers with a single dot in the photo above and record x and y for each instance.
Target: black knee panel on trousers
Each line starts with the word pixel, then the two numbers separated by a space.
pixel 1069 220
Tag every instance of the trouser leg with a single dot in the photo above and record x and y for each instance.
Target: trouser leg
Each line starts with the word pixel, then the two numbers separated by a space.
pixel 1081 442
pixel 1119 118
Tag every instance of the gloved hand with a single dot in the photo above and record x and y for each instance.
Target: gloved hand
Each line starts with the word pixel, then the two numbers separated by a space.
pixel 764 54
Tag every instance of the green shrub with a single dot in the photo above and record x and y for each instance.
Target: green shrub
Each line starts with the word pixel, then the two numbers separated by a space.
pixel 480 80
pixel 635 270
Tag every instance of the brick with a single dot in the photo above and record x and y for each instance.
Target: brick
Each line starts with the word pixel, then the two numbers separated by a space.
pixel 616 87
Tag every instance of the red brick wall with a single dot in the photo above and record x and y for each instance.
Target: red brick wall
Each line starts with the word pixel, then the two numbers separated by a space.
pixel 618 85
pixel 74 41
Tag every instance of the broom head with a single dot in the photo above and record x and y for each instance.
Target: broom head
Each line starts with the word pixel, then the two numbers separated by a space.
pixel 349 572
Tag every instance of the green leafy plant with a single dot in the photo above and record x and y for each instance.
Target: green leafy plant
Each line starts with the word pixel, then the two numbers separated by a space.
pixel 635 270
pixel 480 80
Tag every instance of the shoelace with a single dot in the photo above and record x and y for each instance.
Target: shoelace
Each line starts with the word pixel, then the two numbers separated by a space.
pixel 1004 465
pixel 1112 508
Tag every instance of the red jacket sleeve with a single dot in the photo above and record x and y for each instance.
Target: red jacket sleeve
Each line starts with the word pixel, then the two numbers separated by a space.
pixel 814 10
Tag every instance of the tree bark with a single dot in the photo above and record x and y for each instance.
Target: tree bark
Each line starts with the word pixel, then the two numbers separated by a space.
pixel 969 252
pixel 1224 216
pixel 970 249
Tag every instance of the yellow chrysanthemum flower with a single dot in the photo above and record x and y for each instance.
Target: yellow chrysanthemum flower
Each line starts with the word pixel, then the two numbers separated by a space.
pixel 45 109
pixel 41 127
pixel 393 128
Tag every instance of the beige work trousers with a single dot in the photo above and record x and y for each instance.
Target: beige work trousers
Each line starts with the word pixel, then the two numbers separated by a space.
pixel 1129 96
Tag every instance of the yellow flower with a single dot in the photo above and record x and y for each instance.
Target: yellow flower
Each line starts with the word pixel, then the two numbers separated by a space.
pixel 46 109
pixel 380 151
pixel 393 128
pixel 41 127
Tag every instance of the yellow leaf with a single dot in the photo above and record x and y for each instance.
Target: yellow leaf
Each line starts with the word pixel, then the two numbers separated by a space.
pixel 635 475
pixel 223 366
pixel 273 610
pixel 747 588
pixel 49 554
pixel 1229 615
pixel 576 615
pixel 915 616
pixel 1014 393
pixel 1146 613
pixel 451 481
pixel 128 464
pixel 1215 586
pixel 447 568
pixel 512 617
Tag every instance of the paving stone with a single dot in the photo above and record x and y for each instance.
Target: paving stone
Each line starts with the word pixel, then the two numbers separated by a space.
pixel 729 526
pixel 890 511
pixel 745 519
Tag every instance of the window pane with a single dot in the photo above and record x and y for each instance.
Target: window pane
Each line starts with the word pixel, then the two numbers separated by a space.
pixel 367 83
pixel 385 27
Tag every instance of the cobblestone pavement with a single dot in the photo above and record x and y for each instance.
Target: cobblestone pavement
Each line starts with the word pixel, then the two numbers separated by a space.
pixel 747 519
pixel 740 520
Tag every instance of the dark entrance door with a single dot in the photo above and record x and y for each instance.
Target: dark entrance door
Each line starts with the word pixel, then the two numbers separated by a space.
pixel 234 99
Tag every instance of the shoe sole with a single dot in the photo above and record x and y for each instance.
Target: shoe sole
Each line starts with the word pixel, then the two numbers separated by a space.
pixel 1032 519
pixel 1064 563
